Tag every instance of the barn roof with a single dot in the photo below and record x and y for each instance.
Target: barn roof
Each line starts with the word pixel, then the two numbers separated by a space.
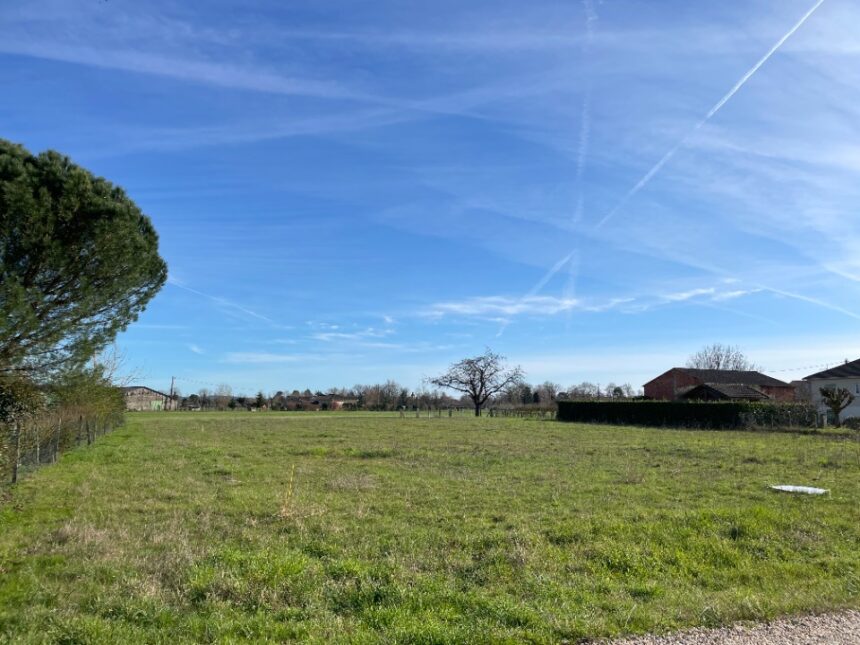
pixel 728 390
pixel 732 377
pixel 143 387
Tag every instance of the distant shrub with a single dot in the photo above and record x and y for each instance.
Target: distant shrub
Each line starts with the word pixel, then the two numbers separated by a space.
pixel 852 423
pixel 689 414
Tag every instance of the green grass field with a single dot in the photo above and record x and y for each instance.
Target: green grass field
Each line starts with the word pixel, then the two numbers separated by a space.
pixel 186 527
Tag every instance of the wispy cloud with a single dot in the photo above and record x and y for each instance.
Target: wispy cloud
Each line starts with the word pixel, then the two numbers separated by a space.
pixel 219 73
pixel 195 349
pixel 370 332
pixel 513 306
pixel 266 358
pixel 534 305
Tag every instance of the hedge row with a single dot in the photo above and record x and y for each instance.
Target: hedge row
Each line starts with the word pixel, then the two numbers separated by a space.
pixel 689 414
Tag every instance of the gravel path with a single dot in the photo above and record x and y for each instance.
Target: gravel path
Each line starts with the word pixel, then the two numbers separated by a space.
pixel 841 628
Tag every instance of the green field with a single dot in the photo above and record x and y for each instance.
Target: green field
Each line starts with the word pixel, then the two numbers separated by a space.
pixel 186 527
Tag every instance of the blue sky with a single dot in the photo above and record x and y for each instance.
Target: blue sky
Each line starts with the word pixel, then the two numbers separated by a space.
pixel 353 191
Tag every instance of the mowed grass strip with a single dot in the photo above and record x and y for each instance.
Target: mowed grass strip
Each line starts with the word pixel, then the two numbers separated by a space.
pixel 362 528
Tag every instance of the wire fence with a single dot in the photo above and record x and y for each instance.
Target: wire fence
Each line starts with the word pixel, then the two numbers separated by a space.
pixel 41 439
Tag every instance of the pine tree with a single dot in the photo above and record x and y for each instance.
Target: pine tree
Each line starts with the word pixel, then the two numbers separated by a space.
pixel 78 262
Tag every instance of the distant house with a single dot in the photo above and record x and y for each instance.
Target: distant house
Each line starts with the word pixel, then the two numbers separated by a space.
pixel 845 376
pixel 686 383
pixel 314 402
pixel 139 398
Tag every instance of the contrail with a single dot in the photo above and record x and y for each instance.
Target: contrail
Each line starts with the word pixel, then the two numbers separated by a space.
pixel 582 153
pixel 719 104
pixel 585 123
pixel 813 301
pixel 581 159
pixel 221 301
pixel 540 285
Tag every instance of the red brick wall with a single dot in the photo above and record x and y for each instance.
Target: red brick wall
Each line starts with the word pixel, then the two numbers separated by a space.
pixel 666 386
pixel 779 392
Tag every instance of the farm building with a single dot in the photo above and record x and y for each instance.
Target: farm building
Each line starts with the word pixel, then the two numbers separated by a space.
pixel 684 383
pixel 139 398
pixel 842 376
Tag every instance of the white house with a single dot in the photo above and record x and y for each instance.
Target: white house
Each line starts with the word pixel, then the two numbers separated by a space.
pixel 846 375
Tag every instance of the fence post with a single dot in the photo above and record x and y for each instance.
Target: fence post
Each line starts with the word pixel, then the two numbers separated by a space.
pixel 16 450
pixel 57 440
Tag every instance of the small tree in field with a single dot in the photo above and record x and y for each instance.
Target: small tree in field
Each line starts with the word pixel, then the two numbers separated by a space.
pixel 479 378
pixel 837 399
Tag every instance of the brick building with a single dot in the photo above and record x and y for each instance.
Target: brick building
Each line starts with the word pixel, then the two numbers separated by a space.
pixel 680 383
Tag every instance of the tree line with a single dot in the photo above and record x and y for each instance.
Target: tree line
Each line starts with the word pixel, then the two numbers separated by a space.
pixel 391 396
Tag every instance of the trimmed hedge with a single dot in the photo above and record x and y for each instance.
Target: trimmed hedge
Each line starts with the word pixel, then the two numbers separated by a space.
pixel 688 414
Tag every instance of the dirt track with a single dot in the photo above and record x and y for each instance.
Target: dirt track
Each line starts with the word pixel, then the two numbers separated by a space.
pixel 841 628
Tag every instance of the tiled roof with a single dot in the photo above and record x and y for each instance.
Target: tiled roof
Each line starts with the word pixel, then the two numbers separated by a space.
pixel 846 370
pixel 728 390
pixel 733 377
pixel 737 391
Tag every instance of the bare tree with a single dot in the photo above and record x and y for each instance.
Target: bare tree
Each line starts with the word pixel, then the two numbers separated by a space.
pixel 721 357
pixel 479 377
pixel 548 392
pixel 223 396
pixel 113 364
pixel 837 399
pixel 584 390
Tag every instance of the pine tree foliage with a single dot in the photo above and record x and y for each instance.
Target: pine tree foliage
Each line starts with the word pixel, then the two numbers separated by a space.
pixel 78 262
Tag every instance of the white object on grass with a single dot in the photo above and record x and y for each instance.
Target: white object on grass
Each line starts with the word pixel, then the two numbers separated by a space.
pixel 808 490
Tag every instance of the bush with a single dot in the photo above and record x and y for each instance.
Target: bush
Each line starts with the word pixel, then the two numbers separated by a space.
pixel 852 423
pixel 39 422
pixel 689 414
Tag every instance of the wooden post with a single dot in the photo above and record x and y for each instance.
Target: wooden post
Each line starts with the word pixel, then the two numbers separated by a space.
pixel 57 440
pixel 16 450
